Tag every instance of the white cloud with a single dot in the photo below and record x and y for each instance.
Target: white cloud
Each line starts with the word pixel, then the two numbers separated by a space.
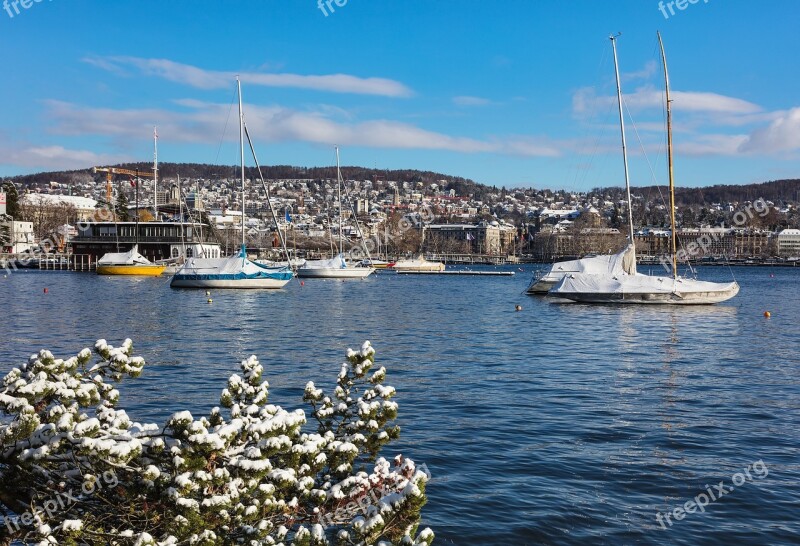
pixel 470 101
pixel 644 74
pixel 56 157
pixel 212 79
pixel 782 135
pixel 711 145
pixel 585 102
pixel 203 123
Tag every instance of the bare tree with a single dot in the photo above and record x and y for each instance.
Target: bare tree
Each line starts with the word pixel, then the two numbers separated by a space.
pixel 47 218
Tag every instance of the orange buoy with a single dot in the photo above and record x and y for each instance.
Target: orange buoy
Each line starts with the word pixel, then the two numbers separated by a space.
pixel 302 283
pixel 767 314
pixel 45 290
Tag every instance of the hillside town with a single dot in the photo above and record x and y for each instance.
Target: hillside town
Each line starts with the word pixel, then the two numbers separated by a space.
pixel 449 220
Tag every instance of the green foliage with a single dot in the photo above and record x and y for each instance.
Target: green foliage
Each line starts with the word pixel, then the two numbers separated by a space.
pixel 76 470
pixel 12 199
pixel 121 208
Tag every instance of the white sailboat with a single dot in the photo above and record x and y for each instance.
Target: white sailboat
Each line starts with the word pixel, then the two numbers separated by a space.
pixel 614 265
pixel 235 271
pixel 337 267
pixel 418 264
pixel 621 263
pixel 647 289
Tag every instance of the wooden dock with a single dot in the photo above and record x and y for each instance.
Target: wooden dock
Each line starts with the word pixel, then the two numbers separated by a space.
pixel 464 273
pixel 49 262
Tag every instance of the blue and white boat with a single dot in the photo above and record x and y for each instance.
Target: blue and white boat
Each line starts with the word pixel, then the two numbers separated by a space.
pixel 233 272
pixel 236 271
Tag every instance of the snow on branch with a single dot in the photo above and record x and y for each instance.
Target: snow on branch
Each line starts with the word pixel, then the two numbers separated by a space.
pixel 75 469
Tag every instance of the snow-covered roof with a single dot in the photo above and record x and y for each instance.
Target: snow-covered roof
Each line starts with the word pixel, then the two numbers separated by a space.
pixel 39 199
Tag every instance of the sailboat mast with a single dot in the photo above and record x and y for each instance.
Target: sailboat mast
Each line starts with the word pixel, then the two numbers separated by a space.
pixel 339 188
pixel 624 142
pixel 137 207
pixel 182 225
pixel 241 150
pixel 669 161
pixel 155 171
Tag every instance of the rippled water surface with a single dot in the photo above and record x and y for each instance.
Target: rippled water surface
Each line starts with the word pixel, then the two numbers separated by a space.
pixel 559 424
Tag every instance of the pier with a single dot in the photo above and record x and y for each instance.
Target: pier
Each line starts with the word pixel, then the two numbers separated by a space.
pixel 464 273
pixel 49 262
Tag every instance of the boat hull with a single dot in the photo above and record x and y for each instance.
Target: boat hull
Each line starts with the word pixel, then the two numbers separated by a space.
pixel 542 286
pixel 191 281
pixel 131 270
pixel 418 266
pixel 704 296
pixel 344 273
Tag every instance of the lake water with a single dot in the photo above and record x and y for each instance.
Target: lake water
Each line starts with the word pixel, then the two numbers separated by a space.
pixel 560 424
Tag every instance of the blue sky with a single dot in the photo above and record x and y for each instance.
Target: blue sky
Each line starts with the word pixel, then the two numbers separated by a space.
pixel 512 92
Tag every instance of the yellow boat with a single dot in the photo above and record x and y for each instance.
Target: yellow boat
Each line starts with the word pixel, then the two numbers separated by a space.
pixel 141 270
pixel 128 263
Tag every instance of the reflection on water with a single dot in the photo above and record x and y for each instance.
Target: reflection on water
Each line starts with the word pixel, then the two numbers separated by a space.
pixel 560 424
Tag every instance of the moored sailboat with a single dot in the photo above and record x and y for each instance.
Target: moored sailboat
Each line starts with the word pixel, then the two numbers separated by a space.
pixel 336 267
pixel 129 263
pixel 236 271
pixel 418 264
pixel 647 289
pixel 621 263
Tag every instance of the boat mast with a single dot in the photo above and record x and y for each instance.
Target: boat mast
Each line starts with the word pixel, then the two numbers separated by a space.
pixel 182 225
pixel 624 144
pixel 155 171
pixel 137 208
pixel 669 161
pixel 241 150
pixel 339 188
pixel 269 199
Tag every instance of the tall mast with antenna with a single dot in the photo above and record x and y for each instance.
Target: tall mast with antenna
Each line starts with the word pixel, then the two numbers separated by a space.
pixel 669 160
pixel 339 188
pixel 241 149
pixel 155 171
pixel 624 143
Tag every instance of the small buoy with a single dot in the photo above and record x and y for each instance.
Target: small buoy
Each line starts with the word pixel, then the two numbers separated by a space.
pixel 45 290
pixel 518 308
pixel 772 275
pixel 767 314
pixel 302 283
pixel 210 300
pixel 208 293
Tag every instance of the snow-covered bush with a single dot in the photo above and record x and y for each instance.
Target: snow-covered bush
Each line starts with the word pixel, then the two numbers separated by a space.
pixel 74 468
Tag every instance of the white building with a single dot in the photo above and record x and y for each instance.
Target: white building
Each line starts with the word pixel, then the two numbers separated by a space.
pixel 21 237
pixel 84 206
pixel 789 242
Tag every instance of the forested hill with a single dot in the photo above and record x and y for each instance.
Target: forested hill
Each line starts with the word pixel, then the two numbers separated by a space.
pixel 777 191
pixel 199 170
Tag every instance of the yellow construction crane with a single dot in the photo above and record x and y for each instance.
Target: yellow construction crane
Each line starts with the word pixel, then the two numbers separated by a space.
pixel 111 171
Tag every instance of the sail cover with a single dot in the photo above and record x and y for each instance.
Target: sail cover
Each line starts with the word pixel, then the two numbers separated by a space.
pixel 336 262
pixel 233 268
pixel 132 257
pixel 623 262
pixel 642 285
